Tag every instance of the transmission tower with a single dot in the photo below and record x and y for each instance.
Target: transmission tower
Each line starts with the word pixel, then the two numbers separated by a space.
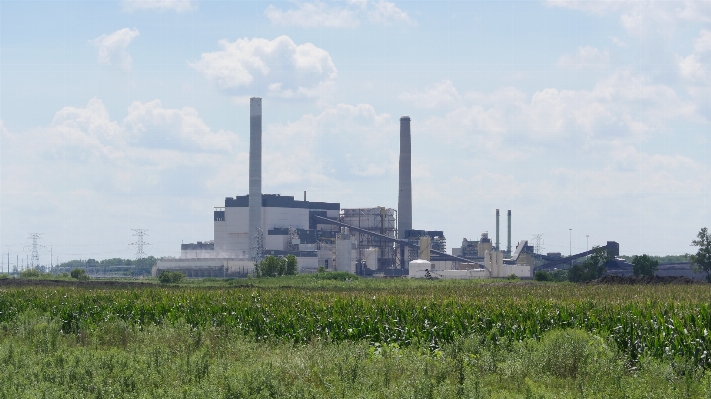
pixel 538 246
pixel 140 233
pixel 258 249
pixel 34 257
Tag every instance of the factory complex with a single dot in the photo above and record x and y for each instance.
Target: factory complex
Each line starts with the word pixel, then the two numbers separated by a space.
pixel 375 241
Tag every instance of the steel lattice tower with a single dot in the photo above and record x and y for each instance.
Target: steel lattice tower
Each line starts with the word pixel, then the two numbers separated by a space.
pixel 140 233
pixel 538 239
pixel 34 257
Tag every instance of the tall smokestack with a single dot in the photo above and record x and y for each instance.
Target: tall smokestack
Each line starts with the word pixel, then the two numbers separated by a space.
pixel 255 169
pixel 497 229
pixel 404 198
pixel 508 246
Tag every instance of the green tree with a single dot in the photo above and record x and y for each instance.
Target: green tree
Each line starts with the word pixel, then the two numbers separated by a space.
pixel 701 261
pixel 644 265
pixel 170 277
pixel 291 265
pixel 542 275
pixel 79 274
pixel 592 268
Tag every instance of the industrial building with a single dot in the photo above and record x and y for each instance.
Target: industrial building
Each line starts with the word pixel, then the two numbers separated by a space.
pixel 367 241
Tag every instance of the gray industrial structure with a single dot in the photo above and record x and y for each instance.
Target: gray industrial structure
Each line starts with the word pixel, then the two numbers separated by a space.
pixel 372 240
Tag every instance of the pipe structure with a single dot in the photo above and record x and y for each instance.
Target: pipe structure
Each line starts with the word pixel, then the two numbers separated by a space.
pixel 497 230
pixel 508 246
pixel 404 198
pixel 255 170
pixel 403 243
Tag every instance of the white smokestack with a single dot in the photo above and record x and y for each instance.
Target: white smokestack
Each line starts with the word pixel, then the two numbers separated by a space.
pixel 255 169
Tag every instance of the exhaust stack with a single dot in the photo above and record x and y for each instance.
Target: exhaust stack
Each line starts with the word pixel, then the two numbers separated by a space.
pixel 255 169
pixel 508 246
pixel 404 199
pixel 497 229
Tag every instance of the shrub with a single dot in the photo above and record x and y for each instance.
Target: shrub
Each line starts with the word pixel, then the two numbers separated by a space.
pixel 321 269
pixel 170 277
pixel 4 276
pixel 79 274
pixel 564 353
pixel 30 273
pixel 543 275
pixel 512 277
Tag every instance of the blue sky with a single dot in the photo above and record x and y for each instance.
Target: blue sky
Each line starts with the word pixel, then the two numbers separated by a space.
pixel 591 116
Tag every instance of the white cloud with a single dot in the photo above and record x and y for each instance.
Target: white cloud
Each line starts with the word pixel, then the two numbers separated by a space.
pixel 694 67
pixel 342 143
pixel 441 94
pixel 160 5
pixel 639 18
pixel 585 57
pixel 112 47
pixel 278 68
pixel 610 110
pixel 349 15
pixel 618 42
pixel 310 15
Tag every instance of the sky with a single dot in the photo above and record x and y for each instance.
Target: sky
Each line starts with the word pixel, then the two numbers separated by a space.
pixel 589 120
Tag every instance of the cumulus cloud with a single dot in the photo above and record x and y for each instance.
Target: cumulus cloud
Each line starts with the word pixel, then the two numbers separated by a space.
pixel 342 143
pixel 348 15
pixel 693 68
pixel 611 109
pixel 278 68
pixel 112 47
pixel 642 17
pixel 441 94
pixel 585 57
pixel 159 5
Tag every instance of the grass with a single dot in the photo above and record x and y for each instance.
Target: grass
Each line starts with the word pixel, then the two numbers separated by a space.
pixel 178 361
pixel 339 336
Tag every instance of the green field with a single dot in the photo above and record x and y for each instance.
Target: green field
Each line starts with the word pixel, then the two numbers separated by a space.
pixel 308 336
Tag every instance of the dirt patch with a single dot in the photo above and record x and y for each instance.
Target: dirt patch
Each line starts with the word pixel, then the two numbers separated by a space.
pixel 629 280
pixel 16 282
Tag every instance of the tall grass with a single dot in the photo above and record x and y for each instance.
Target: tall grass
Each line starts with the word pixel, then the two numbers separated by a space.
pixel 664 322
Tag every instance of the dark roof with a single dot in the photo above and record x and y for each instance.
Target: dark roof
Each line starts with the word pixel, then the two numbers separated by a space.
pixel 281 201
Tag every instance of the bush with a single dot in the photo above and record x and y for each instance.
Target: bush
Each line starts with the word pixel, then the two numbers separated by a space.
pixel 592 268
pixel 30 273
pixel 170 277
pixel 564 353
pixel 512 277
pixel 4 276
pixel 79 274
pixel 543 275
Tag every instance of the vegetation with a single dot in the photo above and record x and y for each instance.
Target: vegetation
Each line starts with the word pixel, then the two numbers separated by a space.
pixel 592 268
pixel 273 266
pixel 30 273
pixel 170 277
pixel 79 274
pixel 644 265
pixel 335 335
pixel 701 261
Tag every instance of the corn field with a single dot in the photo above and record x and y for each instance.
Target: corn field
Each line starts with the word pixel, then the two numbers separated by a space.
pixel 658 321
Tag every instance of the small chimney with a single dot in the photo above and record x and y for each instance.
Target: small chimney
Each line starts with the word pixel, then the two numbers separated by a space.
pixel 497 230
pixel 508 245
